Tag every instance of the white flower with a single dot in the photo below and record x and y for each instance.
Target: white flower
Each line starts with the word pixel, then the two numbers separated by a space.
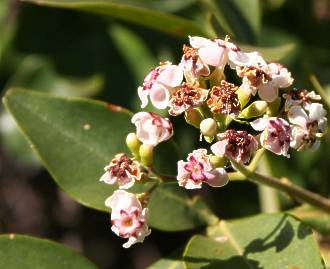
pixel 151 129
pixel 237 145
pixel 220 52
pixel 265 79
pixel 306 127
pixel 275 136
pixel 123 171
pixel 128 218
pixel 159 84
pixel 186 97
pixel 198 169
pixel 192 64
pixel 300 97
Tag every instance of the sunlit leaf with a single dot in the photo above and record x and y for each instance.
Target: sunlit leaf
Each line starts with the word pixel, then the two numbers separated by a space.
pixel 260 242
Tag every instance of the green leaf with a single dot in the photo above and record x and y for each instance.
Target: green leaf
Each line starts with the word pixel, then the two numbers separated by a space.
pixel 39 74
pixel 271 53
pixel 171 209
pixel 75 138
pixel 173 261
pixel 132 12
pixel 235 19
pixel 25 252
pixel 316 218
pixel 260 242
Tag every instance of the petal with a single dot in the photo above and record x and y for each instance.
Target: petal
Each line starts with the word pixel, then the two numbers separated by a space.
pixel 238 58
pixel 131 241
pixel 127 184
pixel 316 111
pixel 105 177
pixel 137 117
pixel 259 124
pixel 219 148
pixel 297 135
pixel 212 55
pixel 159 96
pixel 191 184
pixel 219 179
pixel 171 76
pixel 182 173
pixel 143 95
pixel 268 92
pixel 298 116
pixel 200 42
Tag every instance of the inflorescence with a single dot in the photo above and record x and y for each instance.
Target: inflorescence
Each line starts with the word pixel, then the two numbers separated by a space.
pixel 261 96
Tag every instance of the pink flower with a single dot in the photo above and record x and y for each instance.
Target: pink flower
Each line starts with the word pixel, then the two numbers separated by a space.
pixel 305 128
pixel 237 145
pixel 159 84
pixel 151 129
pixel 275 136
pixel 128 218
pixel 198 169
pixel 266 79
pixel 123 171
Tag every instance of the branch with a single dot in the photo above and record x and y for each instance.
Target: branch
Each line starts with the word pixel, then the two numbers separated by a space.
pixel 237 176
pixel 286 186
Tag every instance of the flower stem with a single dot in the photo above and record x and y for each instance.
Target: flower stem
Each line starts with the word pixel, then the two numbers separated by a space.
pixel 286 186
pixel 268 197
pixel 238 176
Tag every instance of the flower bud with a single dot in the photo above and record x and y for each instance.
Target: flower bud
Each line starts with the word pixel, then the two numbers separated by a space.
pixel 133 144
pixel 256 109
pixel 243 96
pixel 146 154
pixel 193 117
pixel 217 161
pixel 273 107
pixel 208 127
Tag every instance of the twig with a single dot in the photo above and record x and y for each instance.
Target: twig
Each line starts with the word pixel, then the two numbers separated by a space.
pixel 286 186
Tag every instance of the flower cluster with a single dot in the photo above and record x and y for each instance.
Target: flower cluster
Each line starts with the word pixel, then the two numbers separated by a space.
pixel 258 99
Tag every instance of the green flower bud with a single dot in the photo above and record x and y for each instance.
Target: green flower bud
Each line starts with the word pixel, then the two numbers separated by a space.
pixel 193 117
pixel 133 144
pixel 146 154
pixel 208 127
pixel 218 161
pixel 273 107
pixel 256 109
pixel 243 97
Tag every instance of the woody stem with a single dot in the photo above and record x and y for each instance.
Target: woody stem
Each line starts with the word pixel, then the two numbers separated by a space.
pixel 286 186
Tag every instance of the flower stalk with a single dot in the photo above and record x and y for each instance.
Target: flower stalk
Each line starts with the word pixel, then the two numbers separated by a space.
pixel 298 193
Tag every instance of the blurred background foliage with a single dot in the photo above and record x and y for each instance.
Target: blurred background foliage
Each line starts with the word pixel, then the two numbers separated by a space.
pixel 72 53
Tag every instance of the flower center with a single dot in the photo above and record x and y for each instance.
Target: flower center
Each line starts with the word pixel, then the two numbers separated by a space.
pixel 223 99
